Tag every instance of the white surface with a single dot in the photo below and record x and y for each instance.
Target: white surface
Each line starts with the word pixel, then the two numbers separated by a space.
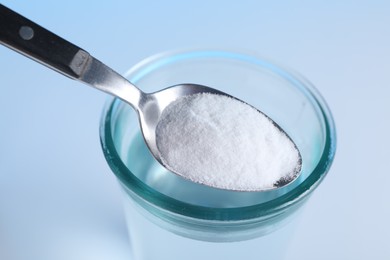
pixel 58 199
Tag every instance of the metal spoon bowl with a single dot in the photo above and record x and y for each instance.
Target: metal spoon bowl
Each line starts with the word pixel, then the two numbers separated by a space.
pixel 41 45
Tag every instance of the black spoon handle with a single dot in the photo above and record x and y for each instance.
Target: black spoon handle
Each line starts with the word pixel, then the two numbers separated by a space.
pixel 34 41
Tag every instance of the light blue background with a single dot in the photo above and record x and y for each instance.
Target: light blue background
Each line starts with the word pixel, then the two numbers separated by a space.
pixel 58 198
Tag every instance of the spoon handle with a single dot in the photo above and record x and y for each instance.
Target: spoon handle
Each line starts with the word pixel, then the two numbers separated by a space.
pixel 34 41
pixel 39 44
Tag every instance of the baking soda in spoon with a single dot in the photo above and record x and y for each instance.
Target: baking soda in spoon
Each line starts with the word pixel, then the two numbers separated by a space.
pixel 208 138
pixel 225 143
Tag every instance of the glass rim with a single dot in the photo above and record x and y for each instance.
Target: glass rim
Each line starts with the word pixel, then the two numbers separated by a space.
pixel 166 203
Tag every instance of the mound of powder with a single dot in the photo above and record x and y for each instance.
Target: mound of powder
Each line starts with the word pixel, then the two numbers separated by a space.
pixel 224 143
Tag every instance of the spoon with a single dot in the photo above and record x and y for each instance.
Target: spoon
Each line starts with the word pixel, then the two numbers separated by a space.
pixel 41 45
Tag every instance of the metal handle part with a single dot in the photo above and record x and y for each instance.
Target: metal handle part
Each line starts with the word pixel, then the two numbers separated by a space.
pixel 34 41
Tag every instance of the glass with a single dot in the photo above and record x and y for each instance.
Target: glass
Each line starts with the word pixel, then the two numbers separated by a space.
pixel 172 218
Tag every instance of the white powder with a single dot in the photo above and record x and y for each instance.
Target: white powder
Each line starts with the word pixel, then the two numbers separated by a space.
pixel 224 143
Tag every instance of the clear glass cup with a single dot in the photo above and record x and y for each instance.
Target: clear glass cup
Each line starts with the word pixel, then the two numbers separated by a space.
pixel 173 218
